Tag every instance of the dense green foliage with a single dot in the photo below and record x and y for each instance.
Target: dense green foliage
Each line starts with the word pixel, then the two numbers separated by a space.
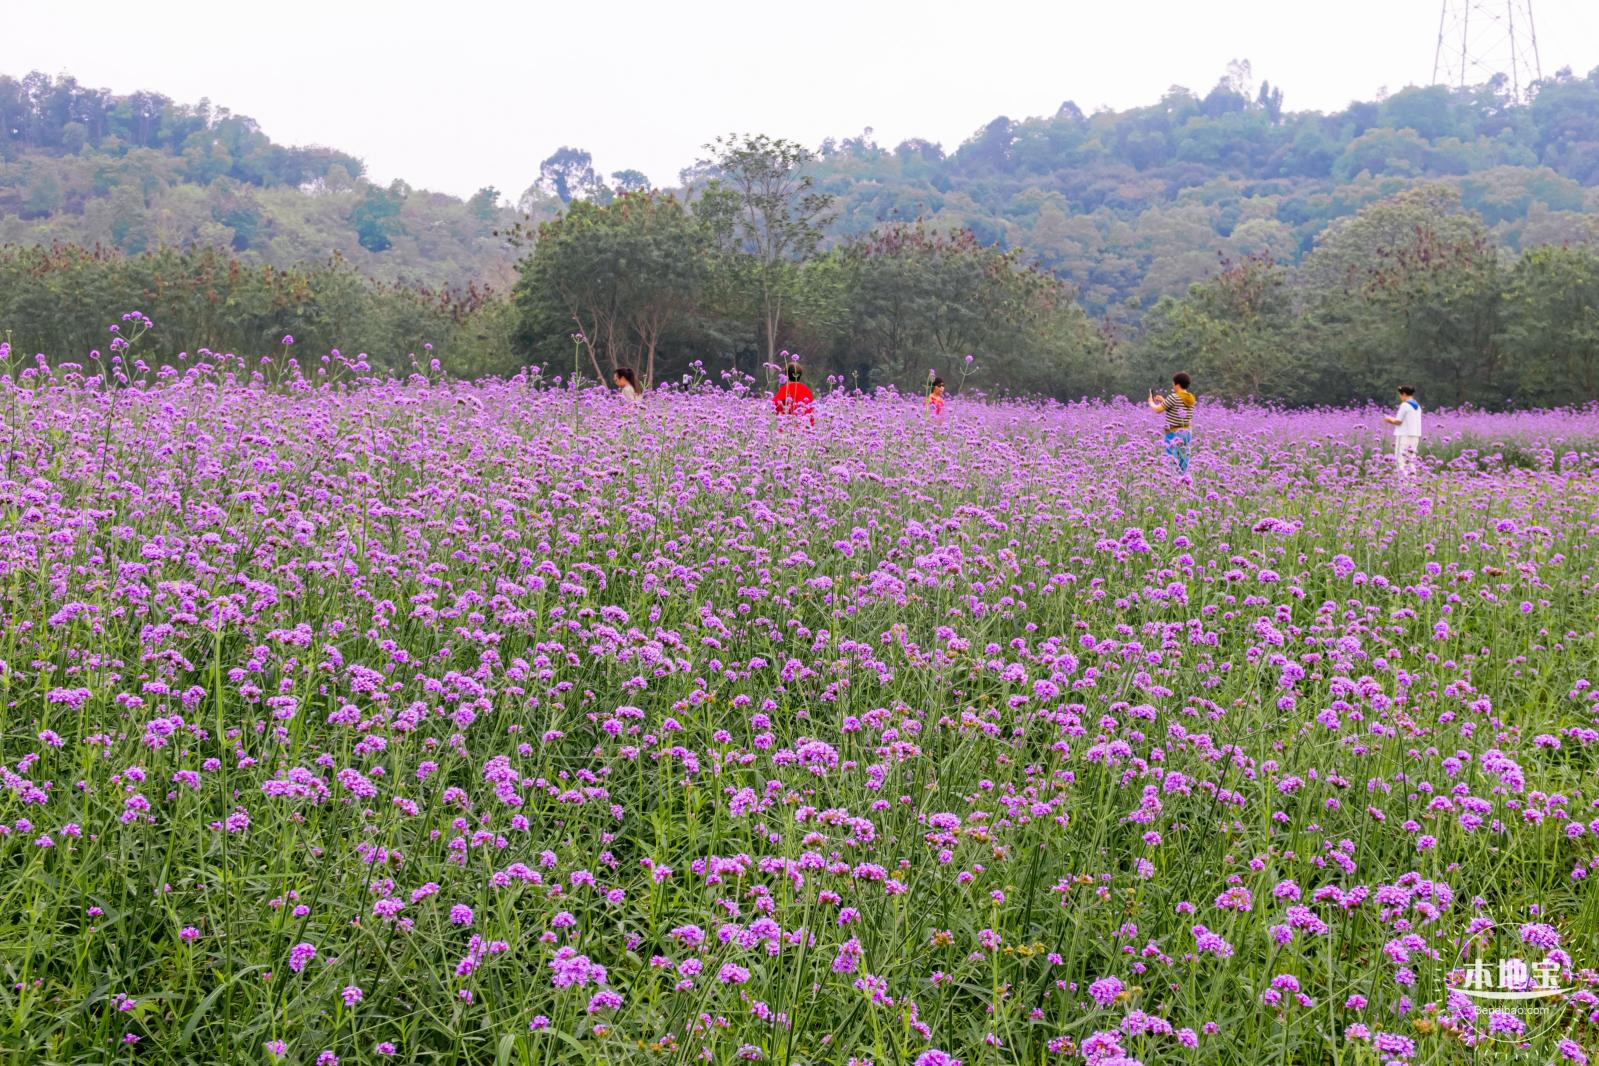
pixel 642 282
pixel 136 172
pixel 1134 205
pixel 1127 205
pixel 1411 288
pixel 622 276
pixel 55 301
pixel 1448 237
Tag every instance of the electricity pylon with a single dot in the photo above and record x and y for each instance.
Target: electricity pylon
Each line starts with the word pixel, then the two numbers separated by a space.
pixel 1481 41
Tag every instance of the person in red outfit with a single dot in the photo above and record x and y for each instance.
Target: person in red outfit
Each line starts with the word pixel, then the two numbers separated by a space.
pixel 795 398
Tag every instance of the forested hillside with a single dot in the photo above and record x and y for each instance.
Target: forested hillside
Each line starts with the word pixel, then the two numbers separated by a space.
pixel 1133 205
pixel 1128 206
pixel 137 172
pixel 1447 237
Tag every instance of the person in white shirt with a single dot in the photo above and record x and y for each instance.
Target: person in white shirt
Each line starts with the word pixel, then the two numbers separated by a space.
pixel 627 384
pixel 1407 430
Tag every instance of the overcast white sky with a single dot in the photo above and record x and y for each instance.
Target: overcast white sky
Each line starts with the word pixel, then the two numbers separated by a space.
pixel 464 93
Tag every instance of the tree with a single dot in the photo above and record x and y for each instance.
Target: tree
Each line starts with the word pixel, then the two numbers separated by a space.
pixel 484 201
pixel 1428 111
pixel 568 173
pixel 631 181
pixel 991 147
pixel 1240 78
pixel 1346 251
pixel 1382 151
pixel 375 219
pixel 764 210
pixel 1551 325
pixel 1234 330
pixel 664 257
pixel 620 274
pixel 926 299
pixel 1271 101
pixel 1222 99
pixel 1070 112
pixel 1443 296
pixel 1411 284
pixel 821 304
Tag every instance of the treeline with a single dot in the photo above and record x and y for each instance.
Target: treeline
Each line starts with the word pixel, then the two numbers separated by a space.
pixel 1410 289
pixel 58 301
pixel 747 262
pixel 138 172
pixel 1134 205
pixel 739 274
pixel 1128 206
pixel 57 116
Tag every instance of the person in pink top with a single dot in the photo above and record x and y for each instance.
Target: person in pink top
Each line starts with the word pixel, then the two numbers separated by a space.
pixel 935 397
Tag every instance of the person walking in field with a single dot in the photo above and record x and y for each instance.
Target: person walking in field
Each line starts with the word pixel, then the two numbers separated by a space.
pixel 935 397
pixel 795 398
pixel 1178 407
pixel 1407 430
pixel 627 384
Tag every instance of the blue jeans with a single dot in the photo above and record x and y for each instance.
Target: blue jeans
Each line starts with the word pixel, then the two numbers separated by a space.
pixel 1177 442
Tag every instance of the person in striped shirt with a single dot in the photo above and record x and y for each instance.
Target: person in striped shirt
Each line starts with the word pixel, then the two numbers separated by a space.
pixel 1178 407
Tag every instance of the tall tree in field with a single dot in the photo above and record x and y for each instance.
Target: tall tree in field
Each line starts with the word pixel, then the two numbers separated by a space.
pixel 568 285
pixel 622 274
pixel 665 264
pixel 925 299
pixel 1233 330
pixel 1551 328
pixel 1444 298
pixel 1409 287
pixel 764 208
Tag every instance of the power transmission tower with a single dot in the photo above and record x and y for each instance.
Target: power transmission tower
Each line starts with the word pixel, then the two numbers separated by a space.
pixel 1487 41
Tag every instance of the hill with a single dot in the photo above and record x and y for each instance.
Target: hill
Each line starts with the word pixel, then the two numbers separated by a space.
pixel 1127 205
pixel 1133 205
pixel 136 172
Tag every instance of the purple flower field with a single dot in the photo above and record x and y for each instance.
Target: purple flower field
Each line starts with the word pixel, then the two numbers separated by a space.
pixel 422 721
